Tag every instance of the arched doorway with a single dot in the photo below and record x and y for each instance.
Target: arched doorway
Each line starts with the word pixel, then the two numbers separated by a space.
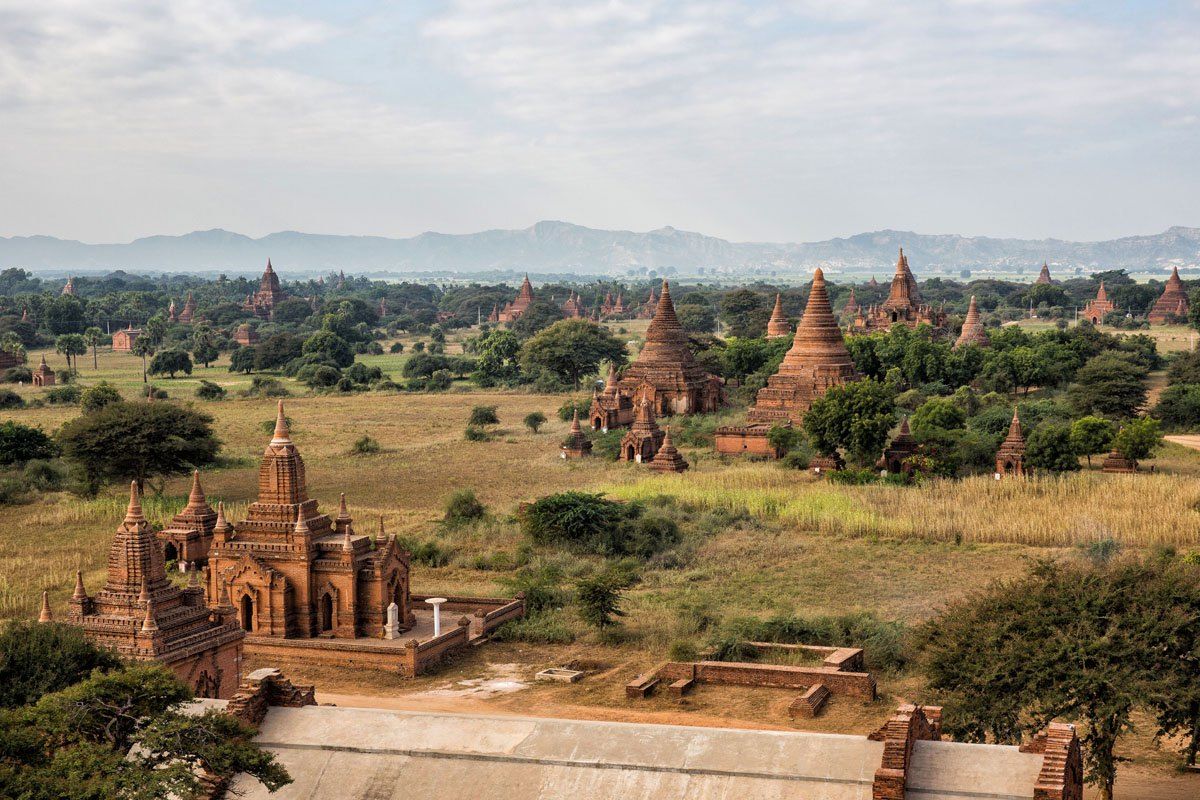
pixel 895 316
pixel 596 424
pixel 246 613
pixel 170 553
pixel 629 453
pixel 326 612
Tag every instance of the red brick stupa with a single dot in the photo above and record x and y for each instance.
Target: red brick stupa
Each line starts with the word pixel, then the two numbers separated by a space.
pixel 778 326
pixel 513 311
pixel 1095 310
pixel 668 458
pixel 1044 275
pixel 972 329
pixel 270 294
pixel 1173 304
pixel 904 305
pixel 188 536
pixel 896 457
pixel 577 444
pixel 142 615
pixel 644 437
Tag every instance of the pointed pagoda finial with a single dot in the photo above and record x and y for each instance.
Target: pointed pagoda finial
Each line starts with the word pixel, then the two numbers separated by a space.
pixel 196 497
pixel 904 427
pixel 148 623
pixel 80 593
pixel 221 524
pixel 144 595
pixel 301 528
pixel 194 576
pixel 382 537
pixel 283 433
pixel 269 269
pixel 44 615
pixel 667 436
pixel 343 511
pixel 134 512
pixel 347 543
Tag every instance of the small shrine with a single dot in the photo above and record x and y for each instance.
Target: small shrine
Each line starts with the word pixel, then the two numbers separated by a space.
pixel 43 375
pixel 513 311
pixel 270 294
pixel 1173 304
pixel 1010 458
pixel 577 444
pixel 896 458
pixel 1044 276
pixel 1095 310
pixel 644 437
pixel 187 537
pixel 610 407
pixel 1116 461
pixel 668 458
pixel 778 326
pixel 972 329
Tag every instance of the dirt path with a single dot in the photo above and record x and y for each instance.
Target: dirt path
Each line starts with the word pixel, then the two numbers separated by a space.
pixel 1187 440
pixel 1132 784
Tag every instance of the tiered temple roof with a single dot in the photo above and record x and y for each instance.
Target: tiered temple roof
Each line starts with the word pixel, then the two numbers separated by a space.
pixel 903 306
pixel 972 329
pixel 262 303
pixel 69 287
pixel 1096 309
pixel 577 444
pixel 1172 304
pixel 188 535
pixel 144 616
pixel 668 458
pixel 1044 275
pixel 1010 458
pixel 644 437
pixel 851 308
pixel 189 310
pixel 677 382
pixel 513 311
pixel 817 360
pixel 778 326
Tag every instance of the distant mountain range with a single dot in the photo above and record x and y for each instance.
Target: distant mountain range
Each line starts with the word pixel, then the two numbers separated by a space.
pixel 561 247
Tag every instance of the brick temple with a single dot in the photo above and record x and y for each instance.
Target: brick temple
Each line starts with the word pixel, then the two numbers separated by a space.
pixel 513 311
pixel 1173 304
pixel 817 360
pixel 292 572
pixel 778 326
pixel 1044 276
pixel 188 535
pixel 270 294
pixel 143 616
pixel 44 375
pixel 1095 310
pixel 123 340
pixel 1010 458
pixel 972 329
pixel 904 305
pixel 665 371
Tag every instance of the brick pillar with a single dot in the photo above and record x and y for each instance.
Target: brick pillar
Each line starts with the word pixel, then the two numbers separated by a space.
pixel 1061 776
pixel 908 725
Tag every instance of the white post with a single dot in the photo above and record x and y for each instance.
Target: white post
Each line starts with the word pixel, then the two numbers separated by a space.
pixel 436 602
pixel 392 629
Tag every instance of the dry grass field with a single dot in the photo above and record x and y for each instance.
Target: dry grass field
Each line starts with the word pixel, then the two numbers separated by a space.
pixel 796 544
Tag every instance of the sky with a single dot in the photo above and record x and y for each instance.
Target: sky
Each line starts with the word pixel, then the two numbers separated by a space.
pixel 753 121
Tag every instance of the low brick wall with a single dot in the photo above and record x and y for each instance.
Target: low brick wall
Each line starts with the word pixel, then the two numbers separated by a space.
pixel 486 613
pixel 739 440
pixel 329 651
pixel 484 622
pixel 428 653
pixel 848 684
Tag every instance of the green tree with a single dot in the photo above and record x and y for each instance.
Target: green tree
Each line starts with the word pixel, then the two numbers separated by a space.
pixel 20 443
pixel 70 345
pixel 169 362
pixel 123 734
pixel 93 337
pixel 570 349
pixel 535 420
pixel 540 315
pixel 204 345
pixel 39 658
pixel 483 415
pixel 1049 447
pixel 328 344
pixel 745 312
pixel 1179 406
pixel 855 417
pixel 599 597
pixel 497 350
pixel 1139 438
pixel 1110 385
pixel 1091 436
pixel 11 343
pixel 143 347
pixel 1074 640
pixel 139 441
pixel 97 397
pixel 242 360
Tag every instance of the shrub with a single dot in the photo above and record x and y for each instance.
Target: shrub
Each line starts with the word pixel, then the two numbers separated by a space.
pixel 607 445
pixel 439 381
pixel 364 446
pixel 45 476
pixel 20 443
pixel 10 399
pixel 541 585
pixel 796 459
pixel 599 597
pixel 266 387
pixel 567 410
pixel 99 396
pixel 683 650
pixel 589 523
pixel 884 642
pixel 397 347
pixel 63 395
pixel 375 349
pixel 41 658
pixel 207 390
pixel 852 477
pixel 430 554
pixel 319 376
pixel 463 507
pixel 1049 447
pixel 483 415
pixel 18 375
pixel 549 627
pixel 535 420
pixel 474 434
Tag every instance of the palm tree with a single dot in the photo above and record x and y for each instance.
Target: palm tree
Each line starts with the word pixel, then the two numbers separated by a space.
pixel 92 337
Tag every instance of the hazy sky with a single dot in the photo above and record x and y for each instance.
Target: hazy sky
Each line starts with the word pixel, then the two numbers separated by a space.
pixel 749 120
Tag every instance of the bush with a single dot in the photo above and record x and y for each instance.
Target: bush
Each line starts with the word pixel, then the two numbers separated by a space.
pixel 45 476
pixel 397 347
pixel 545 628
pixel 375 349
pixel 207 390
pixel 64 395
pixel 884 642
pixel 364 446
pixel 430 554
pixel 319 376
pixel 10 399
pixel 1050 447
pixel 599 597
pixel 535 420
pixel 541 585
pixel 474 434
pixel 439 381
pixel 483 415
pixel 20 443
pixel 40 658
pixel 589 523
pixel 463 507
pixel 266 387
pixel 683 650
pixel 567 410
pixel 607 445
pixel 18 375
pixel 99 396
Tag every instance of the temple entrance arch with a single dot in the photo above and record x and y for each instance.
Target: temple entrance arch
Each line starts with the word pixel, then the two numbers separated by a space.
pixel 630 453
pixel 326 612
pixel 246 613
pixel 170 553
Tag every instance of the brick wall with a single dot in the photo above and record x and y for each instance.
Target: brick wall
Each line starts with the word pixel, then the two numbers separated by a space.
pixel 898 734
pixel 850 684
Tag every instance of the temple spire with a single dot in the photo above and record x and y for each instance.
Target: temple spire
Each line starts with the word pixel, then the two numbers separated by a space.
pixel 777 326
pixel 301 527
pixel 133 513
pixel 197 494
pixel 45 615
pixel 80 593
pixel 283 433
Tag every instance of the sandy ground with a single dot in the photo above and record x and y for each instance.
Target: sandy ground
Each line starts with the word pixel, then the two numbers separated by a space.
pixel 1186 440
pixel 472 698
